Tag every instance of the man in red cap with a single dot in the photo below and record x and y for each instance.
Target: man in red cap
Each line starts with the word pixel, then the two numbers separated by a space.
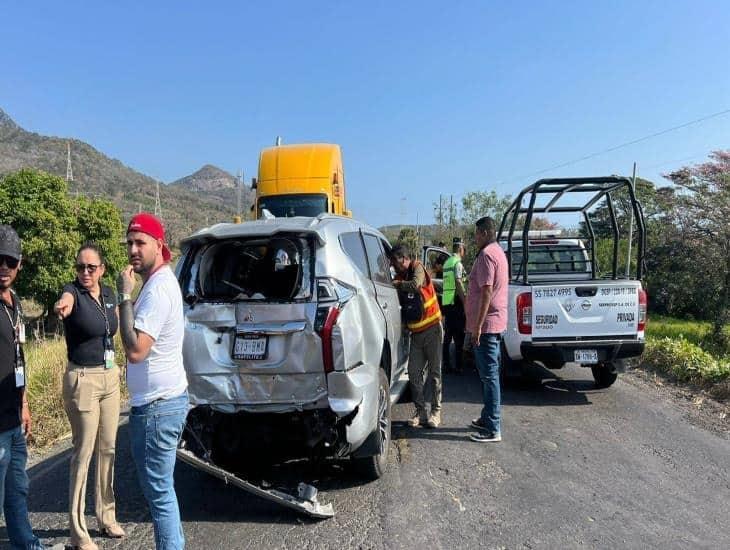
pixel 152 334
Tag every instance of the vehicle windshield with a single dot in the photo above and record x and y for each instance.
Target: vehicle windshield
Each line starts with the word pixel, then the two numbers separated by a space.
pixel 272 269
pixel 288 206
pixel 552 259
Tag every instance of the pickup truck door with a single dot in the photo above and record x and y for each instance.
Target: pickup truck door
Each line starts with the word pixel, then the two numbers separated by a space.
pixel 431 257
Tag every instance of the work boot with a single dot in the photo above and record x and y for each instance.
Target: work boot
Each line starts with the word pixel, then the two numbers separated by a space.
pixel 420 418
pixel 434 419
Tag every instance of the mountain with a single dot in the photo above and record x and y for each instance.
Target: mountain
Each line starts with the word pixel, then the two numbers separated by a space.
pixel 217 185
pixel 185 208
pixel 208 178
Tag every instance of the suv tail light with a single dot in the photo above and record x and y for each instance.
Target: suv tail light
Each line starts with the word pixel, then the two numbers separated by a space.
pixel 323 324
pixel 524 313
pixel 642 309
pixel 332 296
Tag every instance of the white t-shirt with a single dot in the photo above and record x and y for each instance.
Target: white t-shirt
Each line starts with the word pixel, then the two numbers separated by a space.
pixel 158 312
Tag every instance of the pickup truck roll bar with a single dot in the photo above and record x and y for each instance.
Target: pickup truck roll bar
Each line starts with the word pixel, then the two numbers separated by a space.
pixel 601 187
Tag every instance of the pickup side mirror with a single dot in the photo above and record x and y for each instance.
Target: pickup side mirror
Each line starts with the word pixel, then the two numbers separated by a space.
pixel 254 183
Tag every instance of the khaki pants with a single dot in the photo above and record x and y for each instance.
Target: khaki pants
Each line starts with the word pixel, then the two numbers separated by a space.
pixel 425 359
pixel 91 400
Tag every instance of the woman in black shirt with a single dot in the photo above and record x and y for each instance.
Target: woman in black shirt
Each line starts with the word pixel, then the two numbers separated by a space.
pixel 91 392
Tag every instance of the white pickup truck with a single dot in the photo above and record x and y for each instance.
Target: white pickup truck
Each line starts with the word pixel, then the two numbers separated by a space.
pixel 560 310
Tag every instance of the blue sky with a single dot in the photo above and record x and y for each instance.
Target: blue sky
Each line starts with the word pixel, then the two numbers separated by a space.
pixel 424 97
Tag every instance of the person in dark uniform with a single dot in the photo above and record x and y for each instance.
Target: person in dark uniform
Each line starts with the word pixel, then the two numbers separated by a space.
pixel 91 392
pixel 15 420
pixel 453 299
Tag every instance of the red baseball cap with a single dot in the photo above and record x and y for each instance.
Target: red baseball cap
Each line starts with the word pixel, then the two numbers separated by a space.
pixel 144 222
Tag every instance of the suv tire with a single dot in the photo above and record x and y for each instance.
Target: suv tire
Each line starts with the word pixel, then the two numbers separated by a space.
pixel 373 467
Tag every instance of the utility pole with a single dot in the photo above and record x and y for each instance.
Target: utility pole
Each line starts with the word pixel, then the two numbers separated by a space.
pixel 631 223
pixel 238 192
pixel 402 212
pixel 441 212
pixel 69 170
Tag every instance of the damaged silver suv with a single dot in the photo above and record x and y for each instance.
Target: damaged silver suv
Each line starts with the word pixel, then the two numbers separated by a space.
pixel 293 342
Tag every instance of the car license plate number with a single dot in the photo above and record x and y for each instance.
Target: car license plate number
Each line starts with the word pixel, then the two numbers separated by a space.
pixel 586 356
pixel 250 346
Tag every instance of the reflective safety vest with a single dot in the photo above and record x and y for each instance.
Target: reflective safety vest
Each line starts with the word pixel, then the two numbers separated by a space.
pixel 431 312
pixel 449 288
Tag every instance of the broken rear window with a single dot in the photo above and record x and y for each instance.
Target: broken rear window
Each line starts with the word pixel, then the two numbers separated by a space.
pixel 270 269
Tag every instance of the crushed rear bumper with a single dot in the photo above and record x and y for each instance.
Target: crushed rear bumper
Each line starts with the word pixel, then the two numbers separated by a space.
pixel 304 501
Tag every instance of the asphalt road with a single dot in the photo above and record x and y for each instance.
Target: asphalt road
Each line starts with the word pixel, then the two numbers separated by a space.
pixel 578 467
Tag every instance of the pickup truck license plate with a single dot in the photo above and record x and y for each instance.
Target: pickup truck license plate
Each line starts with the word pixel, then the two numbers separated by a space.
pixel 586 356
pixel 250 346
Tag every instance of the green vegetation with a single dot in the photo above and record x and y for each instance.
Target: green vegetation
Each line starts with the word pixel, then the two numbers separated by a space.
pixel 52 226
pixel 694 332
pixel 687 351
pixel 685 360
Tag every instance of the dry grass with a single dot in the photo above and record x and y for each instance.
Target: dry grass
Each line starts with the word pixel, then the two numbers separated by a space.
pixel 46 362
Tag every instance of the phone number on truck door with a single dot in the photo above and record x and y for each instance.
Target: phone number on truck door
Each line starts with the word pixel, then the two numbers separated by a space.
pixel 552 292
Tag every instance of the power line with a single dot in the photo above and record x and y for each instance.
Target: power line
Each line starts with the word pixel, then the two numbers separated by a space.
pixel 620 146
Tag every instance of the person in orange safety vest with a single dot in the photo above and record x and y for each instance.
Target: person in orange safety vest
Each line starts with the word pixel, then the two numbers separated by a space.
pixel 423 319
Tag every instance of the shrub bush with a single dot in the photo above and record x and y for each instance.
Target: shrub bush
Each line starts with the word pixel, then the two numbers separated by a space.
pixel 685 360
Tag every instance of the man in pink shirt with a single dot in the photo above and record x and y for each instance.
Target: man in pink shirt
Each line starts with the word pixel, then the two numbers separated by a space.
pixel 486 320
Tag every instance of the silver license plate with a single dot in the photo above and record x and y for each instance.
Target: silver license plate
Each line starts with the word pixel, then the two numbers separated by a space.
pixel 586 356
pixel 250 346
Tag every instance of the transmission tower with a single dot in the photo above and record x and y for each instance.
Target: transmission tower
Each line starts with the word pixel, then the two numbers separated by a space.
pixel 158 208
pixel 69 170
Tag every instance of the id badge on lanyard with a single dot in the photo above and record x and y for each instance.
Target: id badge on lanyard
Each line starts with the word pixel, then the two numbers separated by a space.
pixel 19 366
pixel 108 352
pixel 18 328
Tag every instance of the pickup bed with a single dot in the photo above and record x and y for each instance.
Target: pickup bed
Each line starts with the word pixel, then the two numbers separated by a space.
pixel 560 310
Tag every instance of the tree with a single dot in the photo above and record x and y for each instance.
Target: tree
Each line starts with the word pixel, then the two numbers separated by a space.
pixel 409 238
pixel 52 226
pixel 477 204
pixel 703 213
pixel 100 221
pixel 36 204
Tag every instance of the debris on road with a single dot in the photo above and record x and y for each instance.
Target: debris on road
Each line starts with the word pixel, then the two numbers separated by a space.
pixel 304 501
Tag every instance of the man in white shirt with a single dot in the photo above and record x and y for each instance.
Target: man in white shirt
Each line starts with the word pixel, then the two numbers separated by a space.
pixel 152 334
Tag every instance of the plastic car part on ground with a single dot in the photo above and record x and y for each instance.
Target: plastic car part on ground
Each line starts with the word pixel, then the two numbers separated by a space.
pixel 305 501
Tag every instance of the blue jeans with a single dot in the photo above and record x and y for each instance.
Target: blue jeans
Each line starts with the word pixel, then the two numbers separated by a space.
pixel 487 359
pixel 155 430
pixel 14 490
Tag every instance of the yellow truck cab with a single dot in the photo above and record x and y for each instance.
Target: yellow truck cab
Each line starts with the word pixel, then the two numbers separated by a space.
pixel 300 180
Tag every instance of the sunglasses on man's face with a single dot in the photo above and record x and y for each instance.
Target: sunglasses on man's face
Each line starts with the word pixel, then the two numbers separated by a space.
pixel 91 268
pixel 9 261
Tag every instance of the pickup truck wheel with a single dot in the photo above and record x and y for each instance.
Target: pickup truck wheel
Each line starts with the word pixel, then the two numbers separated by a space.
pixel 373 467
pixel 604 375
